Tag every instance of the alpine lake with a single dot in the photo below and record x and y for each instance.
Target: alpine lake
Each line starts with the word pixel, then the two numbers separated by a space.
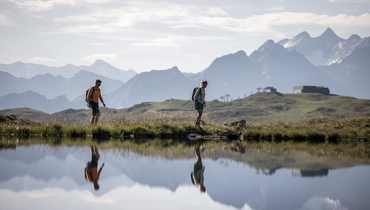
pixel 52 176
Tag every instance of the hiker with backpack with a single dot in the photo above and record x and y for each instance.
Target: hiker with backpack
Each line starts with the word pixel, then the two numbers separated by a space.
pixel 199 100
pixel 92 97
pixel 92 174
pixel 197 175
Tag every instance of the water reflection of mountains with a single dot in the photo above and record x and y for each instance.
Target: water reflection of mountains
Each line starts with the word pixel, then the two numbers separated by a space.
pixel 45 165
pixel 28 156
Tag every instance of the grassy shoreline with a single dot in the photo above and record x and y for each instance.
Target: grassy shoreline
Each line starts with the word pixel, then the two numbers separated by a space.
pixel 334 131
pixel 346 139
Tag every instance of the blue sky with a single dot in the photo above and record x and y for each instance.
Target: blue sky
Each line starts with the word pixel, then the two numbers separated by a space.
pixel 159 34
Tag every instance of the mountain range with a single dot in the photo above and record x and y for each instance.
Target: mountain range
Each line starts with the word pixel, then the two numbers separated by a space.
pixel 100 67
pixel 326 49
pixel 340 64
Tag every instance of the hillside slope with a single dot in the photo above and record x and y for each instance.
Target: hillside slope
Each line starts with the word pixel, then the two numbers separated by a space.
pixel 257 108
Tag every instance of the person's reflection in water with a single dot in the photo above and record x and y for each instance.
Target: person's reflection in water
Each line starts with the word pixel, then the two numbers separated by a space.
pixel 197 176
pixel 91 170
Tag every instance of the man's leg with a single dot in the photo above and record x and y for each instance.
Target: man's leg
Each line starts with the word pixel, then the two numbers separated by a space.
pixel 197 153
pixel 200 112
pixel 97 152
pixel 92 119
pixel 95 111
pixel 97 117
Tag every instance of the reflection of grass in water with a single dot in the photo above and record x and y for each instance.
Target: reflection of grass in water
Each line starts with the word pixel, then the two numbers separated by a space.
pixel 260 155
pixel 304 155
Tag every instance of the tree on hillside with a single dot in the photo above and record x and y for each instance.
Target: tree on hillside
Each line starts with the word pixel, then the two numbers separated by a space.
pixel 227 97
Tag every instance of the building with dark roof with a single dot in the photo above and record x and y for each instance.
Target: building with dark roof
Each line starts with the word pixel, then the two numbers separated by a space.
pixel 311 89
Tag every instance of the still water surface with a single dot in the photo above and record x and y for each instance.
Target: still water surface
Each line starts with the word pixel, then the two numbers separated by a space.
pixel 49 177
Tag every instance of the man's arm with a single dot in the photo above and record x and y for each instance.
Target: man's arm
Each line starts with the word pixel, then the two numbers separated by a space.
pixel 101 99
pixel 192 178
pixel 101 168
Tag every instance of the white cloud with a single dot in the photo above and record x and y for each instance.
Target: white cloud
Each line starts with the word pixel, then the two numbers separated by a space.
pixel 40 194
pixel 215 11
pixel 90 198
pixel 4 20
pixel 322 203
pixel 77 19
pixel 94 57
pixel 98 1
pixel 164 42
pixel 37 6
pixel 163 18
pixel 350 1
pixel 130 19
pixel 213 27
pixel 99 44
pixel 288 18
pixel 274 9
pixel 291 42
pixel 41 60
pixel 86 29
pixel 265 23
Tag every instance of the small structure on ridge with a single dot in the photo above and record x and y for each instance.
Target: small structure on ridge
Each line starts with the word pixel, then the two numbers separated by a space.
pixel 311 89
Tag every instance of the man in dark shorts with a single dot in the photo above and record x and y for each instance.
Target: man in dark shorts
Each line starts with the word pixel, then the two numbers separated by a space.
pixel 93 96
pixel 91 170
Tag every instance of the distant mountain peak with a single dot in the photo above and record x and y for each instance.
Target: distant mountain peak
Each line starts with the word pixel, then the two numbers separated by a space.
pixel 329 30
pixel 82 73
pixel 354 37
pixel 174 69
pixel 268 44
pixel 329 33
pixel 224 62
pixel 70 65
pixel 241 53
pixel 303 35
pixel 232 57
pixel 100 62
pixel 19 63
pixel 237 54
